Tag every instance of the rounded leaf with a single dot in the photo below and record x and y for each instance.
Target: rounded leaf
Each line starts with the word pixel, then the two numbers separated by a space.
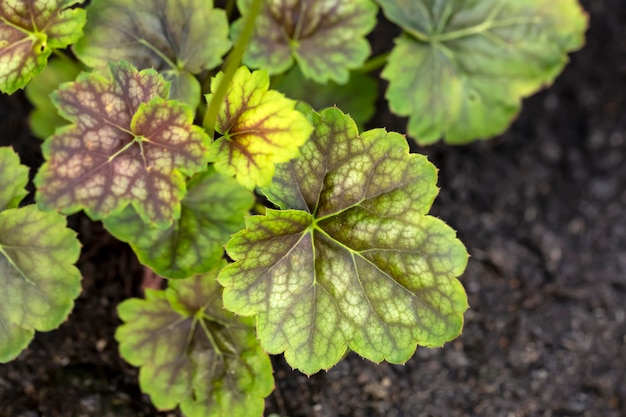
pixel 38 279
pixel 462 67
pixel 193 353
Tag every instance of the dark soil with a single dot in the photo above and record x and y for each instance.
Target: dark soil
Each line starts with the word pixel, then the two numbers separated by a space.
pixel 542 210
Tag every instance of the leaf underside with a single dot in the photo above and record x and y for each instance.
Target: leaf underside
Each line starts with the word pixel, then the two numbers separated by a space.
pixel 352 260
pixel 193 353
pixel 38 281
pixel 325 38
pixel 462 67
pixel 126 145
pixel 177 37
pixel 260 128
pixel 29 30
pixel 213 209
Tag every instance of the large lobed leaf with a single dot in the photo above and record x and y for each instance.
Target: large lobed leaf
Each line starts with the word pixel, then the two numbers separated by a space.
pixel 193 353
pixel 177 37
pixel 213 209
pixel 352 260
pixel 325 38
pixel 260 128
pixel 462 66
pixel 127 144
pixel 29 30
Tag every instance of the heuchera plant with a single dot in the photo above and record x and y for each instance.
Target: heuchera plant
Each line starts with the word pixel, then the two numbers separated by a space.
pixel 151 131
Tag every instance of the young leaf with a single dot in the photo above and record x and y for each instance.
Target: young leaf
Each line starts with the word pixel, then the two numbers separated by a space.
pixel 29 29
pixel 13 180
pixel 213 209
pixel 325 38
pixel 357 97
pixel 260 128
pixel 461 68
pixel 352 260
pixel 178 38
pixel 38 281
pixel 127 144
pixel 45 118
pixel 194 353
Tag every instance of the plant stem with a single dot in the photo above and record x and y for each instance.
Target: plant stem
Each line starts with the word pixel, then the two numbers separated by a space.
pixel 230 6
pixel 374 63
pixel 232 63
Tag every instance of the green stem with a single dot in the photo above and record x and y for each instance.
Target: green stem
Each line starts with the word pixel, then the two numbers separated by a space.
pixel 374 63
pixel 232 63
pixel 230 7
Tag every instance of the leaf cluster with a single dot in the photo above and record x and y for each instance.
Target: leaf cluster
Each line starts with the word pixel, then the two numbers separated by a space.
pixel 282 224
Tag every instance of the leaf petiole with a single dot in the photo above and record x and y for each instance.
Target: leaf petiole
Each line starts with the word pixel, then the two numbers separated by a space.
pixel 232 63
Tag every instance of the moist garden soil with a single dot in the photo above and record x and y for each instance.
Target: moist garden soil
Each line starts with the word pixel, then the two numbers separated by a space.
pixel 542 211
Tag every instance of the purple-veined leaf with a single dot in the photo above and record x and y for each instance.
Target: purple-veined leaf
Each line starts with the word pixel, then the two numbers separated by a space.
pixel 352 260
pixel 127 145
pixel 260 128
pixel 29 30
pixel 193 353
pixel 325 38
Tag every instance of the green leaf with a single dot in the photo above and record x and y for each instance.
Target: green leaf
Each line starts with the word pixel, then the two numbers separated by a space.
pixel 325 38
pixel 462 67
pixel 357 97
pixel 29 30
pixel 13 180
pixel 193 353
pixel 38 281
pixel 127 144
pixel 177 37
pixel 352 260
pixel 44 119
pixel 213 209
pixel 260 128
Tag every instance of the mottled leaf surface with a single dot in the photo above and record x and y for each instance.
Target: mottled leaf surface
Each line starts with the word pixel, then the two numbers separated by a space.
pixel 357 97
pixel 260 128
pixel 126 145
pixel 38 281
pixel 213 209
pixel 29 30
pixel 193 353
pixel 462 66
pixel 177 37
pixel 325 38
pixel 13 179
pixel 353 260
pixel 45 118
